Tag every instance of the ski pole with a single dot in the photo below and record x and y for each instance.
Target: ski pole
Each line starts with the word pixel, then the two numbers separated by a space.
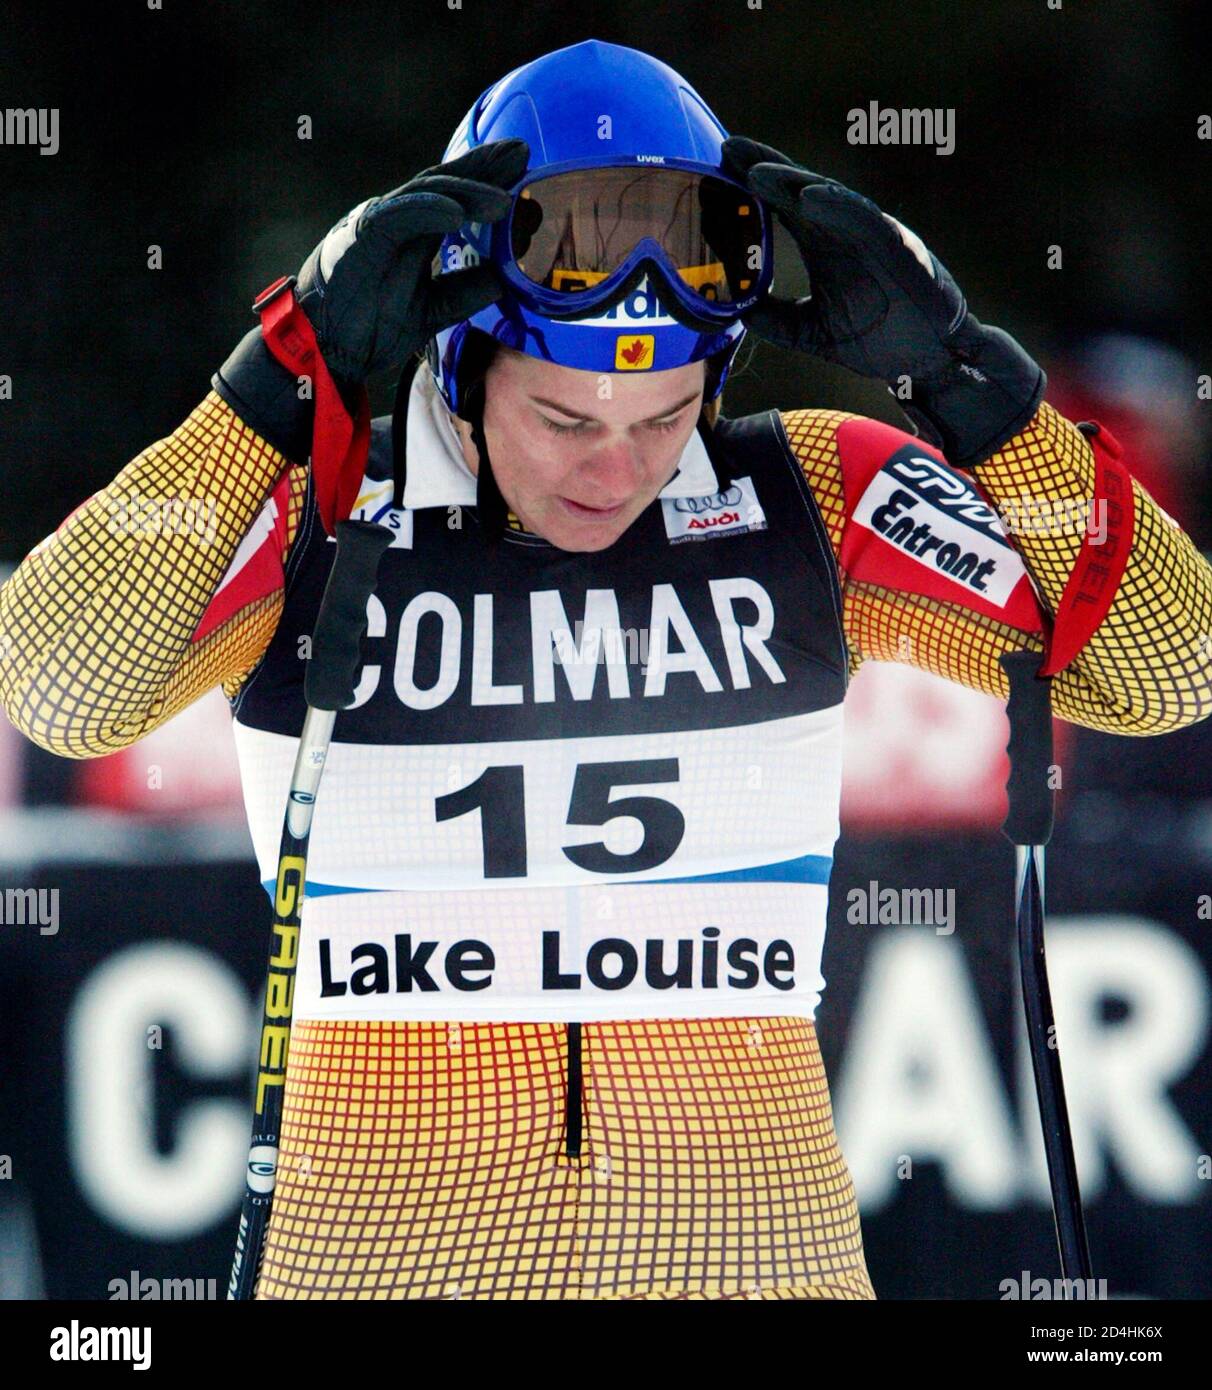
pixel 328 686
pixel 1028 826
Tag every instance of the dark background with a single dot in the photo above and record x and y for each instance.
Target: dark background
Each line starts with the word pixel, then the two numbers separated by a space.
pixel 1075 128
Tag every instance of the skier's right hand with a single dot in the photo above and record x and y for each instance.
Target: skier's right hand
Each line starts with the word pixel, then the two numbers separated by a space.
pixel 368 288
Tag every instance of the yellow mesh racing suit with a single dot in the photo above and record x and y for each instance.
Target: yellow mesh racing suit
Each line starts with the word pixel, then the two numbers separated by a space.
pixel 433 1159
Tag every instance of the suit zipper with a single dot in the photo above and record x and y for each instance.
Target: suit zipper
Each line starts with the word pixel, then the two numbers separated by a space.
pixel 572 1104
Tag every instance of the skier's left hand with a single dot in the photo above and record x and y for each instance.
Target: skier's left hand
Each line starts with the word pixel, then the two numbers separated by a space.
pixel 884 306
pixel 881 303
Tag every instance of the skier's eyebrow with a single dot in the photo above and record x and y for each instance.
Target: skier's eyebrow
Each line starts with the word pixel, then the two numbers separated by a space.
pixel 576 414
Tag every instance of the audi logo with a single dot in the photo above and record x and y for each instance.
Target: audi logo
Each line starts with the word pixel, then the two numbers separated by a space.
pixel 730 497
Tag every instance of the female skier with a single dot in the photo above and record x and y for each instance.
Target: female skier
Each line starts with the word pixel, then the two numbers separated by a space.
pixel 566 894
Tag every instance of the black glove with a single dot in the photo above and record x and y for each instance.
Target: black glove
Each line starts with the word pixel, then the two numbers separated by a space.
pixel 367 287
pixel 883 306
pixel 369 291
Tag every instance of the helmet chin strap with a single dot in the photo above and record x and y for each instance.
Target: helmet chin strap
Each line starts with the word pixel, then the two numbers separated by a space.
pixel 399 435
pixel 490 505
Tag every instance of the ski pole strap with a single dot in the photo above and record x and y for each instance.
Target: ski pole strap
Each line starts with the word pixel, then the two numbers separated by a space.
pixel 1099 569
pixel 336 650
pixel 1029 709
pixel 340 436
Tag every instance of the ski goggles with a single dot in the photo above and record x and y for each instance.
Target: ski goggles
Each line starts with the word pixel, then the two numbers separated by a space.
pixel 574 239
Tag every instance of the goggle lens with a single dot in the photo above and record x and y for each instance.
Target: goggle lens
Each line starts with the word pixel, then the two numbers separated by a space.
pixel 571 231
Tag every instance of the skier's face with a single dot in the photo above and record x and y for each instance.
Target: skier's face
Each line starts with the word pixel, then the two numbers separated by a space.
pixel 575 468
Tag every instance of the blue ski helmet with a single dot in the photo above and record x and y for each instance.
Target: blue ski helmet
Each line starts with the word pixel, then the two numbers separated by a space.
pixel 601 107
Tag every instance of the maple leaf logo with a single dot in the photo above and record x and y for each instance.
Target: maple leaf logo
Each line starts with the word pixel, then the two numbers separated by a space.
pixel 634 353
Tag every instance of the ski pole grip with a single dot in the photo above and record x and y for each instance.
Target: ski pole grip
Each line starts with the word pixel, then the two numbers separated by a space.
pixel 1029 709
pixel 337 641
